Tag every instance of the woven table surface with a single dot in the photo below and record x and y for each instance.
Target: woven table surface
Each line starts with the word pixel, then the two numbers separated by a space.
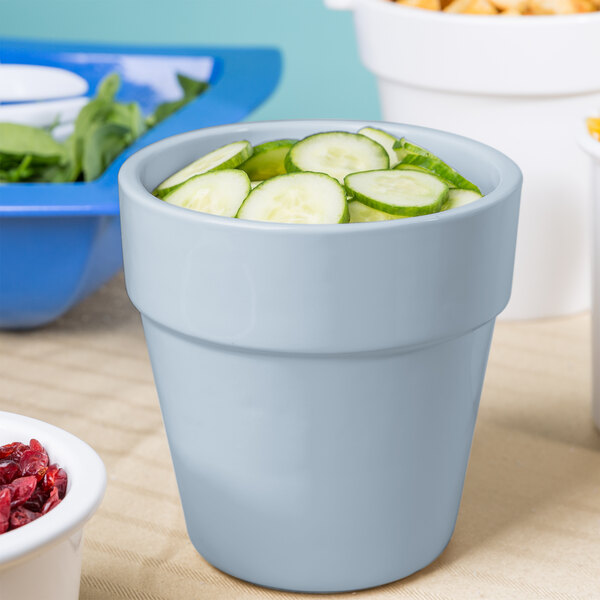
pixel 529 523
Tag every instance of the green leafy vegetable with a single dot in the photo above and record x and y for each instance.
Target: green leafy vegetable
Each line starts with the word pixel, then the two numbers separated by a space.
pixel 102 130
pixel 18 141
pixel 108 87
pixel 191 88
pixel 129 116
pixel 22 171
pixel 102 145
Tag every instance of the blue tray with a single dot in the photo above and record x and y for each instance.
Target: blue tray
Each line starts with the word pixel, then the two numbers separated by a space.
pixel 60 242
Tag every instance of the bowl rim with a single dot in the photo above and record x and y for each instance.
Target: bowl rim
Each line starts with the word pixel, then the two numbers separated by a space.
pixel 547 21
pixel 130 180
pixel 87 484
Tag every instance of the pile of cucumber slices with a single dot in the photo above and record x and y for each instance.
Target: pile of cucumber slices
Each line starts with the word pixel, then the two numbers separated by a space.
pixel 330 177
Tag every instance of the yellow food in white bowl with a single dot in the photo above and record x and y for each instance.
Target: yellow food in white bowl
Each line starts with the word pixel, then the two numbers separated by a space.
pixel 506 7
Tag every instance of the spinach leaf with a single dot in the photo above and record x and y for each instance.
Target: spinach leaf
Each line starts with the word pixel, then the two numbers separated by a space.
pixel 94 112
pixel 101 146
pixel 190 87
pixel 22 140
pixel 130 116
pixel 102 130
pixel 108 88
pixel 21 172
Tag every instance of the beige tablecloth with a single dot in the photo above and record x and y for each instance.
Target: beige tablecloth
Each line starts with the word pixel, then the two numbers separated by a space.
pixel 529 524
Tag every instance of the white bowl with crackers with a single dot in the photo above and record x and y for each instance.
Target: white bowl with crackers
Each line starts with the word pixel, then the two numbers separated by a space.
pixel 516 74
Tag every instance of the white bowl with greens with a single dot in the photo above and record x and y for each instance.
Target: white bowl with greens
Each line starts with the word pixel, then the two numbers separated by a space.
pixel 319 381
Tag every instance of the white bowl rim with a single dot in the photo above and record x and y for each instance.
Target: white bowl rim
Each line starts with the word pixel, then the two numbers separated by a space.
pixel 87 483
pixel 130 181
pixel 389 7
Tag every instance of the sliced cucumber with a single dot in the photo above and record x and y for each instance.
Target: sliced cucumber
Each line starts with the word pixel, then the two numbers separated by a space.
pixel 441 169
pixel 267 160
pixel 420 157
pixel 410 167
pixel 407 193
pixel 336 153
pixel 218 193
pixel 361 213
pixel 297 198
pixel 226 157
pixel 253 184
pixel 387 141
pixel 408 148
pixel 458 198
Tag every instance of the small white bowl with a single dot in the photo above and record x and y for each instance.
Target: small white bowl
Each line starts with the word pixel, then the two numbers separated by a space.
pixel 43 559
pixel 26 83
pixel 592 147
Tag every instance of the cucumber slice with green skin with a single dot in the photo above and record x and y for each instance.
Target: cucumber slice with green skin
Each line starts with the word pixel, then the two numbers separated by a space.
pixel 226 157
pixel 408 148
pixel 410 167
pixel 253 184
pixel 387 141
pixel 420 157
pixel 217 193
pixel 267 160
pixel 361 213
pixel 337 154
pixel 407 193
pixel 458 198
pixel 312 198
pixel 441 169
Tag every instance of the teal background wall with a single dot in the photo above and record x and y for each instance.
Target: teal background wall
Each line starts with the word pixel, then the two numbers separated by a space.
pixel 322 78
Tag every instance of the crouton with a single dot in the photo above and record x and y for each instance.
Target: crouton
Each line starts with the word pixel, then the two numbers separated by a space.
pixel 471 7
pixel 559 7
pixel 510 6
pixel 426 4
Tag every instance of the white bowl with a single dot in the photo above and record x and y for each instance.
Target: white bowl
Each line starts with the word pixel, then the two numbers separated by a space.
pixel 519 84
pixel 592 147
pixel 43 113
pixel 27 83
pixel 42 560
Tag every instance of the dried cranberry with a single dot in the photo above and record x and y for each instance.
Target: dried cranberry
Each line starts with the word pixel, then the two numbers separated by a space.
pixel 36 446
pixel 37 499
pixel 60 481
pixel 8 449
pixel 4 510
pixel 52 501
pixel 13 450
pixel 29 485
pixel 33 462
pixel 22 516
pixel 20 490
pixel 55 476
pixel 8 471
